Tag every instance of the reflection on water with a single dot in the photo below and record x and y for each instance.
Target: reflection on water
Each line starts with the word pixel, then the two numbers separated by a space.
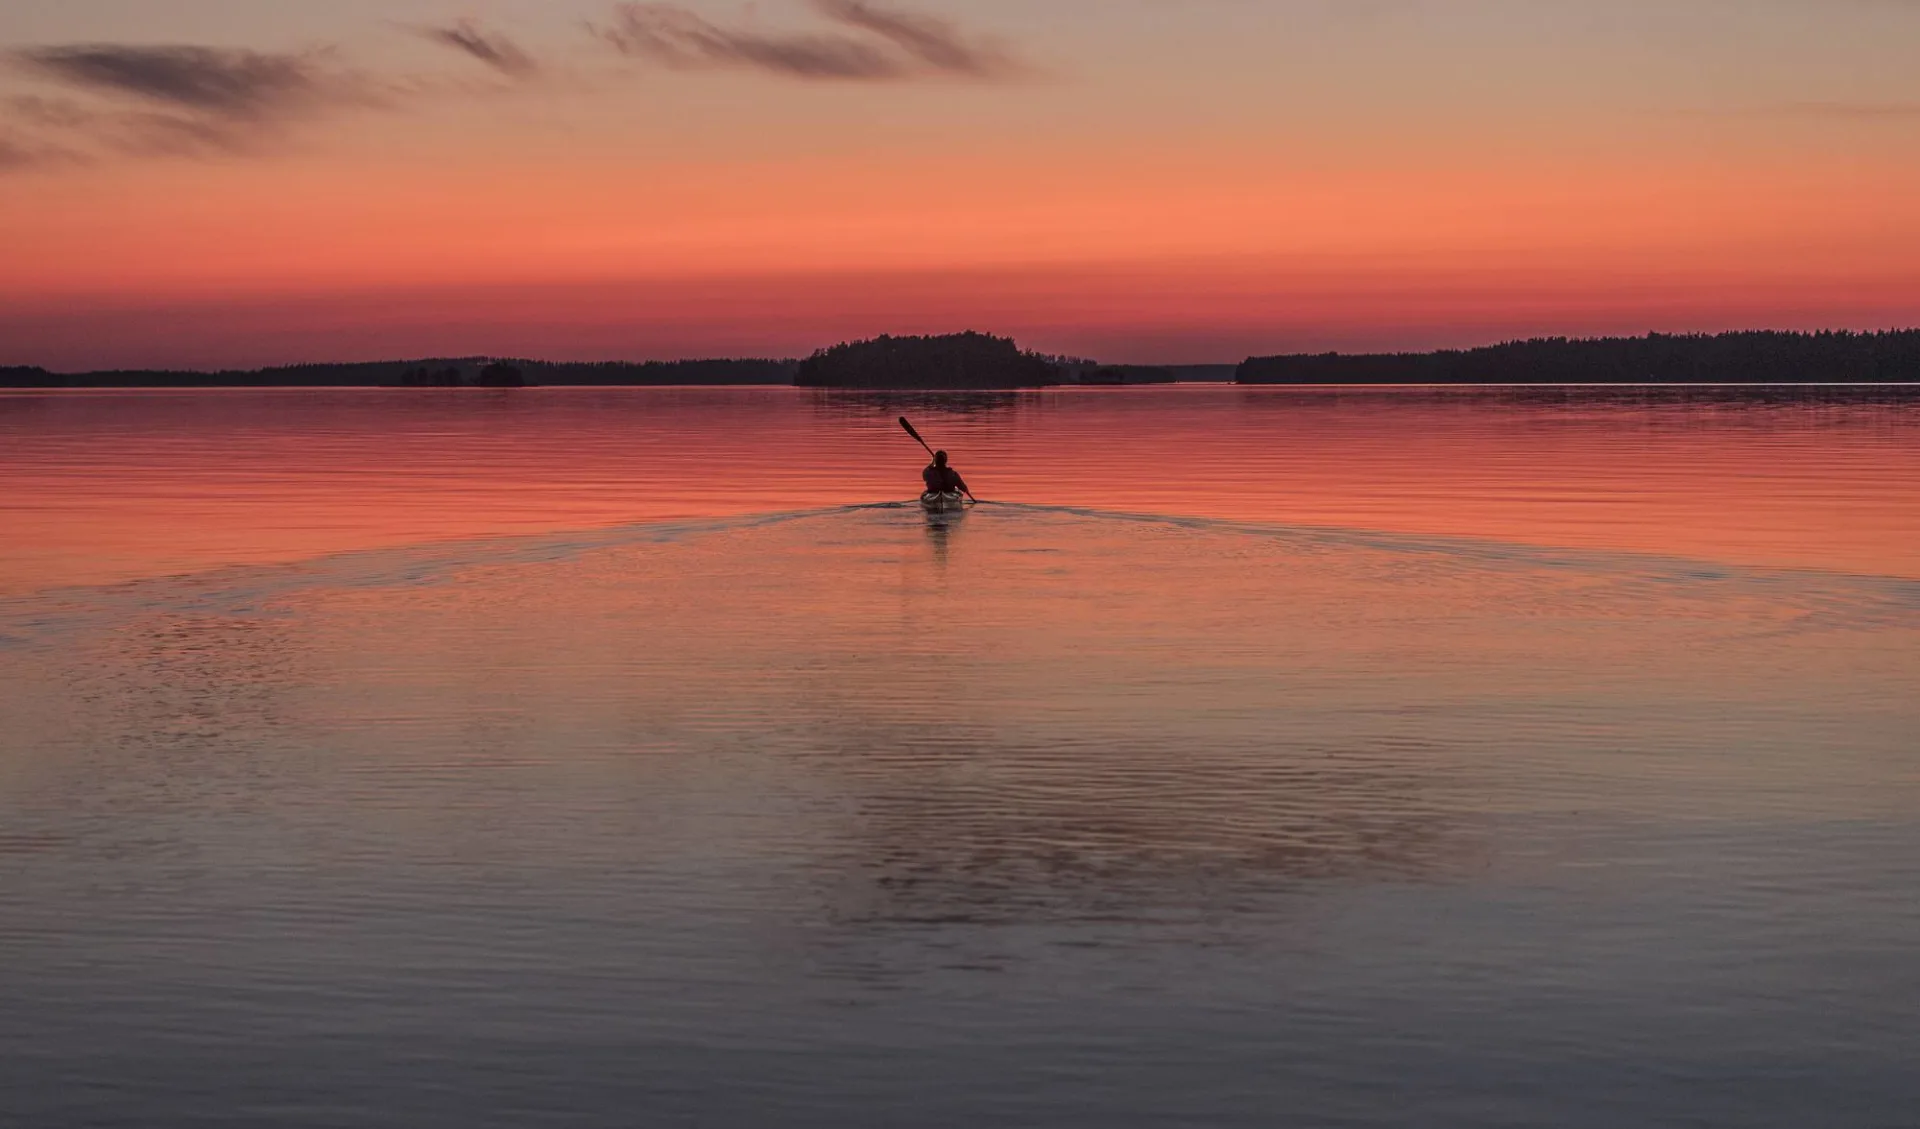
pixel 969 831
pixel 840 406
pixel 103 487
pixel 1733 397
pixel 940 538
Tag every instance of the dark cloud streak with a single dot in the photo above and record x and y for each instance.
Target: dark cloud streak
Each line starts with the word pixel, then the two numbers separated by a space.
pixel 225 83
pixel 490 48
pixel 176 100
pixel 935 42
pixel 879 44
pixel 676 37
pixel 100 100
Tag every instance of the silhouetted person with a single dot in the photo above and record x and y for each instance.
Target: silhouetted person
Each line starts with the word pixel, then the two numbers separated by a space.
pixel 943 479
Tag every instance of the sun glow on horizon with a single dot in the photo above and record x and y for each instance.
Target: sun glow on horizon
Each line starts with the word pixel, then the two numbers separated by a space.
pixel 563 197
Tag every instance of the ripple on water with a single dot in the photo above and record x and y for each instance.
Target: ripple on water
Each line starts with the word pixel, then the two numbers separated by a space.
pixel 1041 818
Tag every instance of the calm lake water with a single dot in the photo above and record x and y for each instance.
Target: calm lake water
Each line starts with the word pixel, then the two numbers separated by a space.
pixel 1254 757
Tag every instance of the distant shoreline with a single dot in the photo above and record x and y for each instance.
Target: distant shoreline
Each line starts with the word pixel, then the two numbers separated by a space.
pixel 1729 360
pixel 1777 386
pixel 440 372
pixel 1747 358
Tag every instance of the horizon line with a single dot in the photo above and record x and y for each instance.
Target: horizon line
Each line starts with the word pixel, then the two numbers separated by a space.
pixel 501 358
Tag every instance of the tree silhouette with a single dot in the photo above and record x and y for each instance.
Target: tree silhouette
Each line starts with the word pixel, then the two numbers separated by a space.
pixel 1729 358
pixel 960 360
pixel 500 374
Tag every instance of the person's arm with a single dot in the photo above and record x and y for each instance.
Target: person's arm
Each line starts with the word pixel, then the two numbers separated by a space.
pixel 962 484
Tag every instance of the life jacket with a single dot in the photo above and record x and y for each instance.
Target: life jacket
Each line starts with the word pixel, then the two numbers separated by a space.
pixel 941 479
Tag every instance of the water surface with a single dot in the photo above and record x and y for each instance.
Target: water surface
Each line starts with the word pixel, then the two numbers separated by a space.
pixel 1258 758
pixel 107 486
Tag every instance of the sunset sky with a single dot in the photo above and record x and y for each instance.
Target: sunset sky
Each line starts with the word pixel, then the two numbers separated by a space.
pixel 232 182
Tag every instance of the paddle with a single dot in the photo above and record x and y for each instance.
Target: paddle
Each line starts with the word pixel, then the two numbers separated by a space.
pixel 904 422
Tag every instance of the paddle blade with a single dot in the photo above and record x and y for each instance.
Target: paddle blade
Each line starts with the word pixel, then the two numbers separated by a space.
pixel 910 431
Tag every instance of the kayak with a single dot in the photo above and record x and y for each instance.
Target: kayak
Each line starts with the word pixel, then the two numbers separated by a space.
pixel 943 503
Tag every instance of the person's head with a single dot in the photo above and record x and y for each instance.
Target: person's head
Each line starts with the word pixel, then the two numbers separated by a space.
pixel 939 458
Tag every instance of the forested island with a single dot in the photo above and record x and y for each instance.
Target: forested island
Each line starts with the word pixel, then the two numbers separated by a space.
pixel 959 361
pixel 1728 358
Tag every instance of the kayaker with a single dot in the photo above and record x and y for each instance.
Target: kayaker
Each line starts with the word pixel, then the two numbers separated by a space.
pixel 943 479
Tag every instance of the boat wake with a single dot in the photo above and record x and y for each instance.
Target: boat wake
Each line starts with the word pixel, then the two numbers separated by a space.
pixel 1830 598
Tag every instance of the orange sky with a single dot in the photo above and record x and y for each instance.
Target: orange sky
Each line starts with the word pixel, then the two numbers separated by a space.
pixel 1122 180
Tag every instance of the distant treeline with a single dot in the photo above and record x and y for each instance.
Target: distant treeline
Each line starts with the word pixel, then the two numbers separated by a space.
pixel 959 360
pixel 1729 358
pixel 498 374
pixel 981 361
pixel 478 372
